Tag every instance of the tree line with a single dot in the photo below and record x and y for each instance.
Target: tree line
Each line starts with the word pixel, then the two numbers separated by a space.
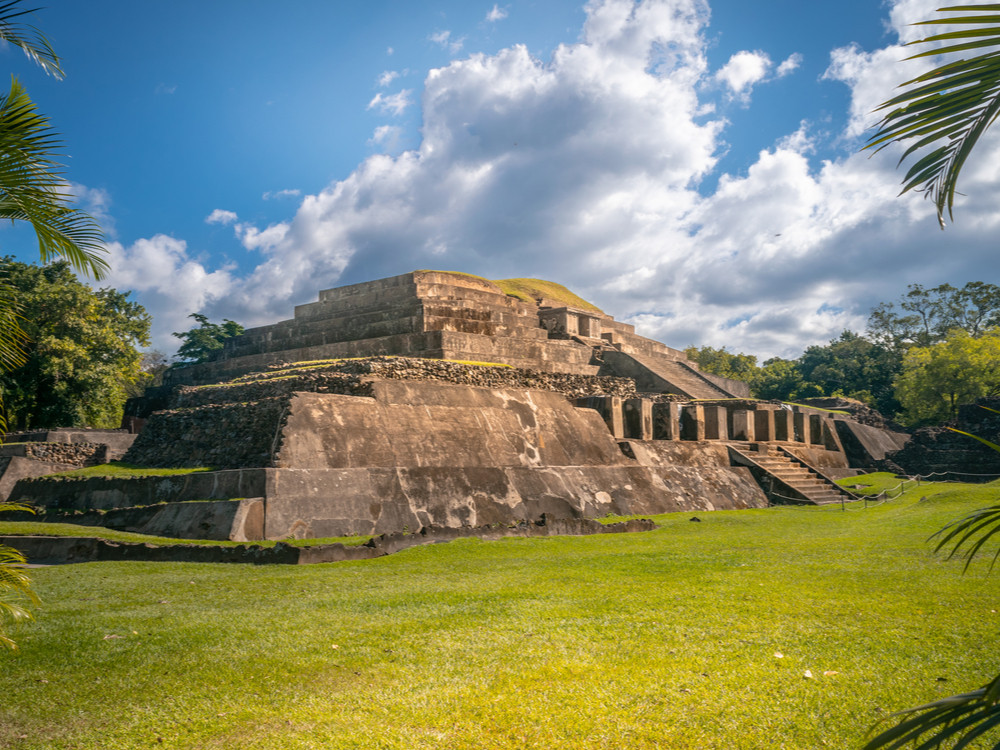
pixel 918 359
pixel 80 349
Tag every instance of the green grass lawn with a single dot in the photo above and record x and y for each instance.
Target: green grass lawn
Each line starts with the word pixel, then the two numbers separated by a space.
pixel 696 635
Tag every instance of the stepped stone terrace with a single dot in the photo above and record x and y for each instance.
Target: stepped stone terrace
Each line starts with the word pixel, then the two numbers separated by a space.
pixel 442 399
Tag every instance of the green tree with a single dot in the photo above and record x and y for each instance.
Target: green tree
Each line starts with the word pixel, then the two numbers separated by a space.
pixel 936 379
pixel 853 366
pixel 201 343
pixel 81 355
pixel 929 315
pixel 782 379
pixel 724 363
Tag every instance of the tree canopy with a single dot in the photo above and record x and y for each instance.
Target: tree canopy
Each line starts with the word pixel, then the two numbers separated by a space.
pixel 81 354
pixel 202 342
pixel 919 358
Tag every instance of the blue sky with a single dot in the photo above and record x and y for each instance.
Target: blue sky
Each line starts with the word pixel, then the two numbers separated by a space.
pixel 689 166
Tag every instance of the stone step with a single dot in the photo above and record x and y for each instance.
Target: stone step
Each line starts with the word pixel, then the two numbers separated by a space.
pixel 815 488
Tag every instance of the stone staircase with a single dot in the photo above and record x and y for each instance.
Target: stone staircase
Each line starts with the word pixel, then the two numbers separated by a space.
pixel 784 479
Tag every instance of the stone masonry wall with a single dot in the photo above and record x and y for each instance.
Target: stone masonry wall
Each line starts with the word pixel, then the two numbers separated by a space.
pixel 223 436
pixel 350 378
pixel 235 425
pixel 77 454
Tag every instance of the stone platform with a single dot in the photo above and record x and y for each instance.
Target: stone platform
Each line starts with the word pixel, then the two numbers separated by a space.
pixel 409 455
pixel 575 416
pixel 453 316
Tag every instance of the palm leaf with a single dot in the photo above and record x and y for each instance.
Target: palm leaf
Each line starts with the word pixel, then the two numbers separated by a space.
pixel 13 578
pixel 960 718
pixel 28 38
pixel 32 187
pixel 951 105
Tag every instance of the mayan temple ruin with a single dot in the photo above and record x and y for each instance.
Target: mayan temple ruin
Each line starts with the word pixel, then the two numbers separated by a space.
pixel 443 399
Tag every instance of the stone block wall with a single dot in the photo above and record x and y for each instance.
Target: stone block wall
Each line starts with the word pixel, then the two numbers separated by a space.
pixel 222 436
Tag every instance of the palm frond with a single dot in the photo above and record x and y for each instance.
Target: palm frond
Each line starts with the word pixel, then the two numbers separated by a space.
pixel 951 105
pixel 961 719
pixel 28 38
pixel 13 578
pixel 32 187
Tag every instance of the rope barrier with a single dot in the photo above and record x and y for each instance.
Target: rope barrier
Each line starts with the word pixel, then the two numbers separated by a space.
pixel 891 493
pixel 957 473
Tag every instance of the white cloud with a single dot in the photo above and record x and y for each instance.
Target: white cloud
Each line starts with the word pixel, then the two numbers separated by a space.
pixel 276 194
pixel 496 13
pixel 585 169
pixel 165 88
pixel 97 203
pixel 743 70
pixel 788 65
pixel 394 104
pixel 168 283
pixel 387 137
pixel 445 40
pixel 221 216
pixel 387 77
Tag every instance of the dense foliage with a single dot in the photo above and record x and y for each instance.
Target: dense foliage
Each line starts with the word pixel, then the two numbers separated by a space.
pixel 81 351
pixel 918 359
pixel 202 342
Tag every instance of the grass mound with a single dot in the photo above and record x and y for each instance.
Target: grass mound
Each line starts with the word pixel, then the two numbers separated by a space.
pixel 533 290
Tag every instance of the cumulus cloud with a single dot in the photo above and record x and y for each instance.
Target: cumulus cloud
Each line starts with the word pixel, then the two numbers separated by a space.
pixel 743 70
pixel 387 137
pixel 788 65
pixel 445 41
pixel 394 104
pixel 169 283
pixel 496 13
pixel 221 216
pixel 97 203
pixel 585 168
pixel 387 77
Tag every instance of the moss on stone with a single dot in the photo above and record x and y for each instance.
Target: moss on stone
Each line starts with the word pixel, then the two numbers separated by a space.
pixel 531 290
pixel 534 290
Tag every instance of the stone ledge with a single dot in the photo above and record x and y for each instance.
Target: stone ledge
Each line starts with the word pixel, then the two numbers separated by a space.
pixel 62 550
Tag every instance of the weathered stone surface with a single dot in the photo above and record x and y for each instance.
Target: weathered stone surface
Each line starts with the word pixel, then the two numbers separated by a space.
pixel 864 445
pixel 117 441
pixel 638 418
pixel 107 493
pixel 15 468
pixel 938 450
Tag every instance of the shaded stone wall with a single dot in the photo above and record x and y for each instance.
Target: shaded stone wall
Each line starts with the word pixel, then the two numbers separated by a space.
pixel 938 450
pixel 223 436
